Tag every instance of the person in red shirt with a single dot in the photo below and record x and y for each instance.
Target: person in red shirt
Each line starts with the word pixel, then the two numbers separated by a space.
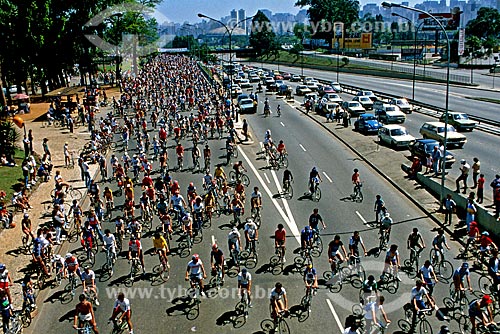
pixel 162 134
pixel 281 148
pixel 480 188
pixel 280 239
pixel 472 236
pixel 486 244
pixel 147 181
pixel 175 187
pixel 179 150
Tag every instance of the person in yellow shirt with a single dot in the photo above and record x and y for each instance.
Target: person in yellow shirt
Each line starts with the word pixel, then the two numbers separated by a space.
pixel 161 247
pixel 219 173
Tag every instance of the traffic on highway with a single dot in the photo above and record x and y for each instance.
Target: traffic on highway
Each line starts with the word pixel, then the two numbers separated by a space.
pixel 223 206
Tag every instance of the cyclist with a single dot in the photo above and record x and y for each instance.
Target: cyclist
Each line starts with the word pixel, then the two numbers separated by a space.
pixel 306 238
pixel 481 309
pixel 472 236
pixel 415 241
pixel 310 277
pixel 5 281
pixel 251 233
pixel 145 205
pixel 234 240
pixel 392 261
pixel 187 225
pixel 385 225
pixel 122 305
pixel 287 178
pixel 88 282
pixel 217 260
pixel 110 244
pixel 314 220
pixel 108 197
pixel 379 207
pixel 256 199
pixel 236 205
pixel 370 289
pixel 437 244
pixel 375 313
pixel 314 178
pixel 459 275
pixel 486 244
pixel 427 274
pixel 237 167
pixel 135 252
pixel 245 283
pixel 195 272
pixel 207 154
pixel 71 264
pixel 198 211
pixel 281 148
pixel 195 155
pixel 418 302
pixel 179 150
pixel 207 180
pixel 58 265
pixel 334 248
pixel 161 247
pixel 84 312
pixel 354 243
pixel 219 173
pixel 239 189
pixel 355 179
pixel 493 269
pixel 178 203
pixel 280 240
pixel 279 301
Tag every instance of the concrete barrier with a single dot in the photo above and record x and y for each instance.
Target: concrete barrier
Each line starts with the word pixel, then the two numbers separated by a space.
pixel 485 219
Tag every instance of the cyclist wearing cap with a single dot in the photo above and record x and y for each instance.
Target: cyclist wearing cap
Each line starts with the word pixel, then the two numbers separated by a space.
pixel 459 275
pixel 310 277
pixel 58 265
pixel 122 305
pixel 84 312
pixel 306 237
pixel 279 300
pixel 234 240
pixel 314 177
pixel 135 251
pixel 280 239
pixel 386 224
pixel 245 283
pixel 251 233
pixel 482 309
pixel 88 282
pixel 195 272
pixel 71 264
pixel 486 244
pixel 217 260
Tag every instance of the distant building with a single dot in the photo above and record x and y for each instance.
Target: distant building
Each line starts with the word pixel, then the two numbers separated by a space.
pixel 242 16
pixel 234 17
pixel 302 16
pixel 267 13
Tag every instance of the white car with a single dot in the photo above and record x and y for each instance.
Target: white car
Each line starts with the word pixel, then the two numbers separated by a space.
pixel 389 113
pixel 302 90
pixel 395 136
pixel 336 87
pixel 332 97
pixel 236 90
pixel 295 78
pixel 311 96
pixel 245 83
pixel 354 108
pixel 403 104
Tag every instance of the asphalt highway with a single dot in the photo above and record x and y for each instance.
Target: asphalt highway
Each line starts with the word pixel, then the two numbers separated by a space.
pixel 163 307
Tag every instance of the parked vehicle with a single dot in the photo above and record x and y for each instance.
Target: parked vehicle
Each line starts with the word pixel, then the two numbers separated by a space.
pixel 435 130
pixel 421 147
pixel 395 135
pixel 367 123
pixel 459 120
pixel 403 105
pixel 388 113
pixel 354 108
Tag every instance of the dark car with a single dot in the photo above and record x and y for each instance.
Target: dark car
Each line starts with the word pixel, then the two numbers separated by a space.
pixel 285 89
pixel 367 123
pixel 421 147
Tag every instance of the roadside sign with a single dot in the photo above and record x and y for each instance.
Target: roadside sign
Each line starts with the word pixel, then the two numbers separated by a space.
pixel 461 41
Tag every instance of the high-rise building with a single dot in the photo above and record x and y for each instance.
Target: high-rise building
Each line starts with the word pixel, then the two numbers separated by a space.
pixel 242 16
pixel 234 17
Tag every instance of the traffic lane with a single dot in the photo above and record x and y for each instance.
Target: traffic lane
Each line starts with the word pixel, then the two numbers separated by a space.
pixel 424 92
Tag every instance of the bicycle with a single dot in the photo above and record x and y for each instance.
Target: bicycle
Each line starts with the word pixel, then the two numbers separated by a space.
pixel 72 283
pixel 162 270
pixel 423 324
pixel 357 196
pixel 243 305
pixel 256 215
pixel 216 280
pixel 443 267
pixel 240 177
pixel 335 279
pixel 317 244
pixel 316 194
pixel 26 244
pixel 306 301
pixel 287 189
pixel 236 217
pixel 135 267
pixel 411 265
pixel 119 326
pixel 384 238
pixel 16 323
pixel 278 325
pixel 90 251
pixel 457 300
pixel 26 311
pixel 180 163
pixel 249 256
pixel 108 266
pixel 278 257
pixel 357 272
pixel 389 281
pixel 109 210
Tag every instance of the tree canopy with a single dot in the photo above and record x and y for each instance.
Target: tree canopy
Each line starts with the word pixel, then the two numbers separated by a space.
pixel 262 38
pixel 486 24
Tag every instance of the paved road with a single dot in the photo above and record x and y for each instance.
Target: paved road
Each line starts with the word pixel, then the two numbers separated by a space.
pixel 432 93
pixel 159 308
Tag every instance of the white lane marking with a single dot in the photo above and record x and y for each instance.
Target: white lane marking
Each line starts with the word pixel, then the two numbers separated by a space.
pixel 293 226
pixel 326 175
pixel 282 124
pixel 335 315
pixel 213 239
pixel 267 179
pixel 302 147
pixel 293 229
pixel 362 218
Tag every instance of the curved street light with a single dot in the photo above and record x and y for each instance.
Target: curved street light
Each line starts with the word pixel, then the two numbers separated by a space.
pixel 443 170
pixel 230 34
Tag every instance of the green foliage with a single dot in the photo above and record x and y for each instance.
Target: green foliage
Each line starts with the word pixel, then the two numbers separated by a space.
pixel 188 42
pixel 329 11
pixel 345 61
pixel 486 24
pixel 262 38
pixel 8 138
pixel 301 31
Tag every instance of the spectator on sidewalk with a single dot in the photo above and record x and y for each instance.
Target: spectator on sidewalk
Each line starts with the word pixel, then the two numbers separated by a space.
pixel 32 169
pixel 436 157
pixel 480 188
pixel 26 173
pixel 30 138
pixel 5 281
pixel 86 173
pixel 46 150
pixel 471 212
pixel 71 124
pixel 26 144
pixel 464 174
pixel 5 162
pixel 476 170
pixel 67 158
pixel 496 200
pixel 245 129
pixel 495 184
pixel 449 206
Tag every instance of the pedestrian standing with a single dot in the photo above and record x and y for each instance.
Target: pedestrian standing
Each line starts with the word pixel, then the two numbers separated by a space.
pixel 71 124
pixel 245 129
pixel 471 213
pixel 476 170
pixel 496 200
pixel 480 188
pixel 464 174
pixel 46 150
pixel 26 144
pixel 66 154
pixel 32 169
pixel 30 138
pixel 449 209
pixel 428 163
pixel 86 173
pixel 80 164
pixel 26 173
pixel 436 157
pixel 495 184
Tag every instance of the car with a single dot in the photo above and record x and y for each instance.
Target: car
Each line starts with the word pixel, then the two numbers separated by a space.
pixel 365 101
pixel 302 90
pixel 245 83
pixel 421 147
pixel 279 82
pixel 403 104
pixel 270 84
pixel 336 87
pixel 247 106
pixel 354 108
pixel 389 113
pixel 395 135
pixel 286 76
pixel 278 77
pixel 327 108
pixel 241 74
pixel 241 97
pixel 368 93
pixel 236 90
pixel 367 123
pixel 436 130
pixel 285 89
pixel 459 120
pixel 295 78
pixel 311 95
pixel 325 89
pixel 332 97
pixel 313 85
pixel 254 78
pixel 307 79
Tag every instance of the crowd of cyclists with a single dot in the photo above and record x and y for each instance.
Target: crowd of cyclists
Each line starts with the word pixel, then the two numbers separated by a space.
pixel 151 112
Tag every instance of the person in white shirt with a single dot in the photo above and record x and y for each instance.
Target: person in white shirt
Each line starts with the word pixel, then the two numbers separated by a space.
pixel 88 282
pixel 177 202
pixel 278 300
pixel 233 240
pixel 251 233
pixel 375 315
pixel 122 305
pixel 464 174
pixel 245 283
pixel 195 272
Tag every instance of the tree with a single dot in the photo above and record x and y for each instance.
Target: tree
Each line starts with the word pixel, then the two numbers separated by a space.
pixel 323 13
pixel 262 38
pixel 486 24
pixel 8 138
pixel 301 31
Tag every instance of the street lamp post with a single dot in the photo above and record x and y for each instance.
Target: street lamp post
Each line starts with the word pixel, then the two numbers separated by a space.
pixel 117 70
pixel 443 169
pixel 229 33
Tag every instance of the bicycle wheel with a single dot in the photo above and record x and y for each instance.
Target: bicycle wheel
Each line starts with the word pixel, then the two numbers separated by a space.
pixel 404 325
pixel 232 176
pixel 257 220
pixel 465 324
pixel 357 309
pixel 360 196
pixel 299 262
pixel 289 192
pixel 284 162
pixel 317 246
pixel 235 153
pixel 485 283
pixel 359 276
pixel 433 258
pixel 251 263
pixel 275 260
pixel 267 325
pixel 317 195
pixel 245 180
pixel 445 269
pixel 75 194
pixel 425 327
pixel 283 327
